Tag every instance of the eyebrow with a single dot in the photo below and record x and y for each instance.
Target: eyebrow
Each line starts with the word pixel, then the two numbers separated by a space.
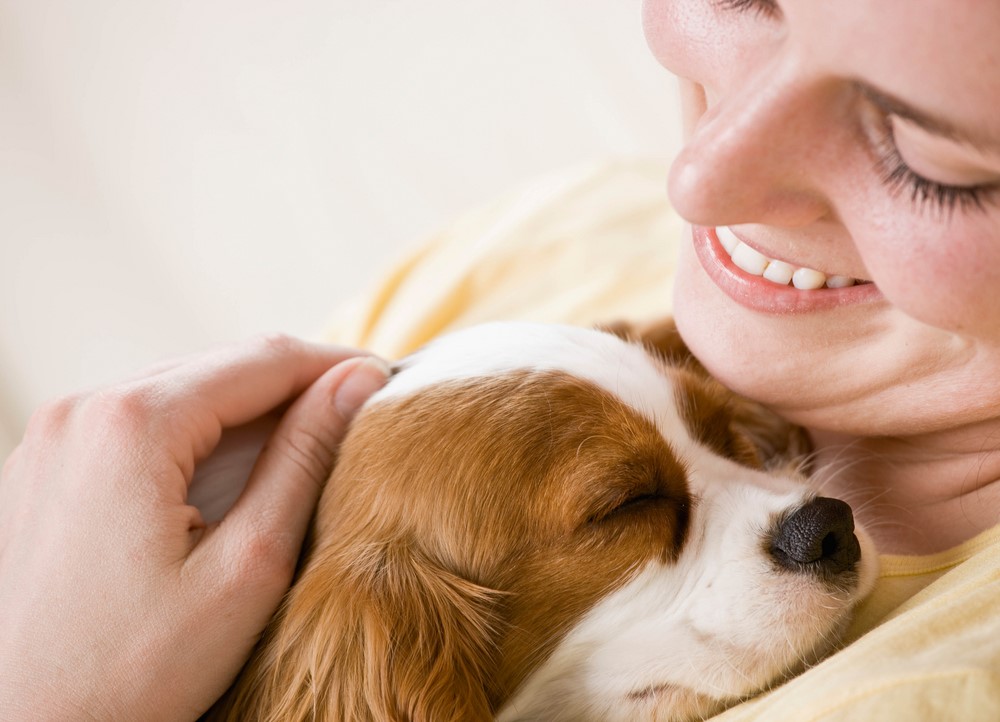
pixel 938 126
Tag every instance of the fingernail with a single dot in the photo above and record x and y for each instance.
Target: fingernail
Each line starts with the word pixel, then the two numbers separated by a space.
pixel 363 380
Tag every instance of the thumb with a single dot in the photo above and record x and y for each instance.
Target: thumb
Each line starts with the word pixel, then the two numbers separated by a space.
pixel 293 467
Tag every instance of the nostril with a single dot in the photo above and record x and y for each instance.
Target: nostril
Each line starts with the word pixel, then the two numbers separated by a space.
pixel 830 545
pixel 818 536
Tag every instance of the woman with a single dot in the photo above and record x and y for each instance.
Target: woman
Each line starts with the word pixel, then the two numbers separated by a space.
pixel 853 144
pixel 859 142
pixel 817 135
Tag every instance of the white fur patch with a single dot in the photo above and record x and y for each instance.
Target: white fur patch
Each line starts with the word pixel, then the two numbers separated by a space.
pixel 623 369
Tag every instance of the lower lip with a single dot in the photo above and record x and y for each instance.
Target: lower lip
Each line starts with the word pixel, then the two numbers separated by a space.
pixel 759 294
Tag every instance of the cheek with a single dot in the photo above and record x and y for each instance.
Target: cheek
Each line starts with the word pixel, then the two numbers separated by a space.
pixel 943 273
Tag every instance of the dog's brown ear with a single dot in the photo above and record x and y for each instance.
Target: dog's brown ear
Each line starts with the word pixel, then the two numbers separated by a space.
pixel 736 427
pixel 776 441
pixel 660 338
pixel 373 635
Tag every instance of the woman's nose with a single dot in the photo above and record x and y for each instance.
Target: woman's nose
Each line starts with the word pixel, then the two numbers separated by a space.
pixel 760 152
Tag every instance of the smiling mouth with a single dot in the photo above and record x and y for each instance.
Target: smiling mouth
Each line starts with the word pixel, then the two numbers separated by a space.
pixel 755 263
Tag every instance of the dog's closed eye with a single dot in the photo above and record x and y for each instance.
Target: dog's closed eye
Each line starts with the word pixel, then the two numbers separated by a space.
pixel 640 488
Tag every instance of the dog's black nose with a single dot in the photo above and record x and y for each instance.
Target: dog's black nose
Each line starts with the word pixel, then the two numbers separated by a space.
pixel 818 537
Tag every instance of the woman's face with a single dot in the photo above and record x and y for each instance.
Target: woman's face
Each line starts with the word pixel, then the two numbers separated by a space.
pixel 859 139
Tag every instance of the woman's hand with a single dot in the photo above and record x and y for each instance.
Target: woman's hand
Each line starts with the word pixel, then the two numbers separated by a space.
pixel 117 600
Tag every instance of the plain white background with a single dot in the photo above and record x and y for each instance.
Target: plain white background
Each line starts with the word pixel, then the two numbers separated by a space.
pixel 179 173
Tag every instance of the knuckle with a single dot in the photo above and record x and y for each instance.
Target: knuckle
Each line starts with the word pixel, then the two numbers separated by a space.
pixel 278 344
pixel 52 416
pixel 265 560
pixel 130 409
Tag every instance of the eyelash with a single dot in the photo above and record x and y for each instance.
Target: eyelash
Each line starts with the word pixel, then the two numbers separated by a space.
pixel 764 7
pixel 923 192
pixel 894 172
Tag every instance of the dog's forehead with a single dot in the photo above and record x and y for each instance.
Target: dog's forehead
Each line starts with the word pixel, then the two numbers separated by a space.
pixel 623 369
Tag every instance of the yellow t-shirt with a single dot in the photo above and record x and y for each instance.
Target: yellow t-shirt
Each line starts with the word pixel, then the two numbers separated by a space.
pixel 597 243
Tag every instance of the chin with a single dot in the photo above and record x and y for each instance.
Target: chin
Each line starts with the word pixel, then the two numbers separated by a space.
pixel 538 522
pixel 731 342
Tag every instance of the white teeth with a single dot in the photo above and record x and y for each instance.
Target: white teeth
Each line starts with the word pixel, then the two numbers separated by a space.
pixel 839 281
pixel 779 272
pixel 806 279
pixel 727 238
pixel 749 260
pixel 757 264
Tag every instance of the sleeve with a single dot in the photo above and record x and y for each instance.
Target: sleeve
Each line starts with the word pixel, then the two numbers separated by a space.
pixel 970 695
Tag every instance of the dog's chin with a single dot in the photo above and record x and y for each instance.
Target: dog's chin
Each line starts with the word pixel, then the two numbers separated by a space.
pixel 664 702
pixel 671 702
pixel 674 703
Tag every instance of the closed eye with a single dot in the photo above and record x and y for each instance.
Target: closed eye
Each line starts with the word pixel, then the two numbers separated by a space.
pixel 637 504
pixel 639 501
pixel 768 8
pixel 658 517
pixel 645 493
pixel 943 197
pixel 615 505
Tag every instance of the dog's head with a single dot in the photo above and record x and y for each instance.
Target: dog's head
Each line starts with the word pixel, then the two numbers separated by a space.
pixel 541 522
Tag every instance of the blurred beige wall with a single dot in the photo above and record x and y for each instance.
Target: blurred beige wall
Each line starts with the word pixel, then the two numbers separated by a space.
pixel 176 173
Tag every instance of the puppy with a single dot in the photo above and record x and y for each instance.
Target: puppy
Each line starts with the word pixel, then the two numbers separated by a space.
pixel 534 522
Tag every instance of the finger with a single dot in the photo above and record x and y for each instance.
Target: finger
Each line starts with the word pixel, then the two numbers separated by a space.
pixel 240 383
pixel 291 471
pixel 235 385
pixel 161 366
